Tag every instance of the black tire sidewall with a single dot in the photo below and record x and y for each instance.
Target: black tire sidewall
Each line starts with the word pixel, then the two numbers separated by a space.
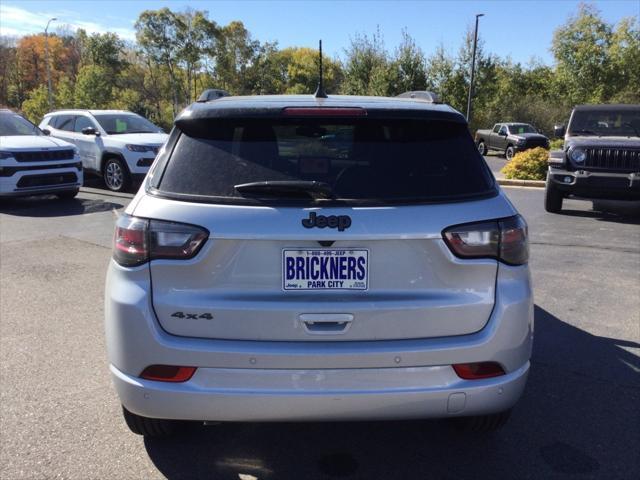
pixel 553 198
pixel 482 148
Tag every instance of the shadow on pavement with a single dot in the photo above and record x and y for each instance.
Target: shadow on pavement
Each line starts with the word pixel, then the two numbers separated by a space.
pixel 51 206
pixel 574 418
pixel 610 211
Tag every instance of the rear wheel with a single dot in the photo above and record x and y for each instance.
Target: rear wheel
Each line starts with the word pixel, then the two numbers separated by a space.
pixel 482 423
pixel 509 152
pixel 149 427
pixel 116 175
pixel 482 148
pixel 67 195
pixel 552 198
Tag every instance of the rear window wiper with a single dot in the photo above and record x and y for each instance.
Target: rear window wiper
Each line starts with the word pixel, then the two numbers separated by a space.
pixel 287 188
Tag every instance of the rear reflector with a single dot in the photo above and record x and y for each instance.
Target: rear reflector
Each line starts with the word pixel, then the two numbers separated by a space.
pixel 324 112
pixel 475 371
pixel 168 373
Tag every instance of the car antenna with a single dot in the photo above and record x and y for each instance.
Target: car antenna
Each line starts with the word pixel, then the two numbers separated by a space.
pixel 320 93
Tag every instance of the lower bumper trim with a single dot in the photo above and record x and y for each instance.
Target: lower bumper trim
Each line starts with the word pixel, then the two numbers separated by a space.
pixel 351 394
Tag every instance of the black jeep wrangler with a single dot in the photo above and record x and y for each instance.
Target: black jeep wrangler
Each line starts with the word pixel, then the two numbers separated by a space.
pixel 600 158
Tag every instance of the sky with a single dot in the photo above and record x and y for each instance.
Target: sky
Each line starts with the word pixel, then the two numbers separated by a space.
pixel 521 30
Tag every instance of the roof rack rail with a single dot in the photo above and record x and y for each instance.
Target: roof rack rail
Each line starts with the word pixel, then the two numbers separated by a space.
pixel 212 94
pixel 421 95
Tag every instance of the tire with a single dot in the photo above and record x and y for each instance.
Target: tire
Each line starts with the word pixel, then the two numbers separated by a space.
pixel 116 175
pixel 67 195
pixel 148 427
pixel 482 148
pixel 509 153
pixel 482 423
pixel 552 198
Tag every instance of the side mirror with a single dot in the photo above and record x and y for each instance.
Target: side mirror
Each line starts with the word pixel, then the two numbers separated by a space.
pixel 559 131
pixel 502 133
pixel 90 131
pixel 46 131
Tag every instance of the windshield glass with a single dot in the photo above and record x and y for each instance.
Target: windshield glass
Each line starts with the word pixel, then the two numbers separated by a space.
pixel 377 161
pixel 605 122
pixel 13 124
pixel 121 123
pixel 521 128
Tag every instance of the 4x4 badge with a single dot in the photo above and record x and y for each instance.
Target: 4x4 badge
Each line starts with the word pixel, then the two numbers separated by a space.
pixel 341 222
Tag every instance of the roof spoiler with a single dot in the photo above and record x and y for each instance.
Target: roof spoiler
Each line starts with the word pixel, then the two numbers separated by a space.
pixel 212 94
pixel 421 95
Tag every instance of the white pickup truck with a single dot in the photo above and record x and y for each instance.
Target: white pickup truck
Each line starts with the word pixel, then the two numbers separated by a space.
pixel 118 145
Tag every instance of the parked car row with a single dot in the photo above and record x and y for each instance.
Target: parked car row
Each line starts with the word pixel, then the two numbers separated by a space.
pixel 117 145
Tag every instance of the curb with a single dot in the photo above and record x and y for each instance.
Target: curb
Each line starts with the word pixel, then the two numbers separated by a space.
pixel 107 193
pixel 521 183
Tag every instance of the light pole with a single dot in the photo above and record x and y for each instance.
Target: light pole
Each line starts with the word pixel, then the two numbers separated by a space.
pixel 473 67
pixel 46 60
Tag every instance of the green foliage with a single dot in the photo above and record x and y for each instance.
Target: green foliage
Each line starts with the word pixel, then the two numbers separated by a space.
pixel 93 89
pixel 36 104
pixel 581 50
pixel 528 165
pixel 367 67
pixel 65 94
pixel 556 144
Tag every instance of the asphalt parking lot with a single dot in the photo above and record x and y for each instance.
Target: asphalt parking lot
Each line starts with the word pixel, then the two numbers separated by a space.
pixel 578 418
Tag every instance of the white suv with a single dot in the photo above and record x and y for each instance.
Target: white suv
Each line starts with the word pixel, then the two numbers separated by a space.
pixel 32 163
pixel 116 144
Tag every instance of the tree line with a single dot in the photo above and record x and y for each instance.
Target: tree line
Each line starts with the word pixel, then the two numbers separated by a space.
pixel 178 54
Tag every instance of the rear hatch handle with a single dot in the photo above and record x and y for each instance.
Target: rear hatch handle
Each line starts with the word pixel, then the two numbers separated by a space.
pixel 326 323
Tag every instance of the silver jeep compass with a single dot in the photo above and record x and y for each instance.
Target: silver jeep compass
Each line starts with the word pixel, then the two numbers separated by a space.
pixel 292 258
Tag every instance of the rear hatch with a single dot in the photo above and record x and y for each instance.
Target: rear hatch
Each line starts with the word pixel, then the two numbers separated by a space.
pixel 357 255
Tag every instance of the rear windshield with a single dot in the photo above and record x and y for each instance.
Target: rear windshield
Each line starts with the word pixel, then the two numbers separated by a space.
pixel 359 161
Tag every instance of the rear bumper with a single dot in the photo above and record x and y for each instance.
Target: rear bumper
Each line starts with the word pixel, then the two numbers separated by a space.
pixel 268 380
pixel 605 185
pixel 215 394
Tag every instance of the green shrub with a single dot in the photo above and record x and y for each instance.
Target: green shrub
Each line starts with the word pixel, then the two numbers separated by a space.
pixel 556 144
pixel 528 165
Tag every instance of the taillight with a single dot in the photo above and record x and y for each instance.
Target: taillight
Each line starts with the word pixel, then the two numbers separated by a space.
pixel 168 373
pixel 138 240
pixel 478 370
pixel 505 240
pixel 324 112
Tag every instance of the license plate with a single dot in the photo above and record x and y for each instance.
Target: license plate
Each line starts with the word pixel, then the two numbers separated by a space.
pixel 325 269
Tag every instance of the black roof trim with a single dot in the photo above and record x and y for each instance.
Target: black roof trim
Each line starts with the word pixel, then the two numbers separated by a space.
pixel 272 106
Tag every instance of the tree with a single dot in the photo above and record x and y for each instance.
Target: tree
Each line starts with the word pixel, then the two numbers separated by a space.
pixel 624 54
pixel 36 104
pixel 581 49
pixel 93 88
pixel 367 68
pixel 410 65
pixel 106 51
pixel 237 51
pixel 30 62
pixel 301 71
pixel 195 33
pixel 156 31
